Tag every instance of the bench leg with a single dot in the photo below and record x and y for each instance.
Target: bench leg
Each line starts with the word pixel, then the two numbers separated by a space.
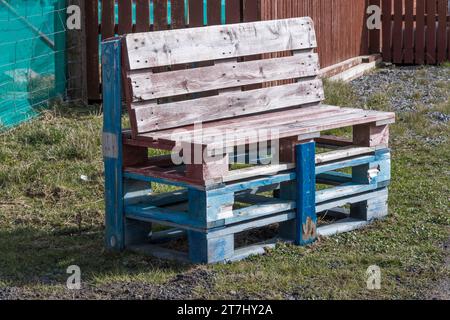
pixel 371 209
pixel 135 192
pixel 204 207
pixel 371 135
pixel 209 250
pixel 206 170
pixel 112 145
pixel 306 221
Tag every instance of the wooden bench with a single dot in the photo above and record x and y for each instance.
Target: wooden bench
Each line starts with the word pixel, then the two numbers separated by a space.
pixel 222 92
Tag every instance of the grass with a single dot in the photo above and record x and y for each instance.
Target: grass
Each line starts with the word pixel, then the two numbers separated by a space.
pixel 51 218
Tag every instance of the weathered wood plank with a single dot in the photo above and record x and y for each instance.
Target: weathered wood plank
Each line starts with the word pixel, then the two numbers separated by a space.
pixel 258 121
pixel 227 105
pixel 147 85
pixel 256 171
pixel 343 153
pixel 303 121
pixel 146 50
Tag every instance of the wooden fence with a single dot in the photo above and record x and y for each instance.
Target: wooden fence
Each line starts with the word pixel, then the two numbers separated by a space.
pixel 415 31
pixel 339 23
pixel 182 14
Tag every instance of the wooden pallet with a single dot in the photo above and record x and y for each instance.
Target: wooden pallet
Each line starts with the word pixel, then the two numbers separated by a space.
pixel 210 217
pixel 171 80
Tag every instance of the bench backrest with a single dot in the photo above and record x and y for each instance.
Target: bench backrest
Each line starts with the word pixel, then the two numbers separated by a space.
pixel 211 69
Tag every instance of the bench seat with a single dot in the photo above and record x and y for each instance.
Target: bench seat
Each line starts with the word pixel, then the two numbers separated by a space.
pixel 302 123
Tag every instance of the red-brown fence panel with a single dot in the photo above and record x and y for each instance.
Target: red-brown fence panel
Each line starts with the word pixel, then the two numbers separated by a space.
pixel 178 14
pixel 420 32
pixel 142 16
pixel 233 11
pixel 374 35
pixel 108 19
pixel 387 29
pixel 160 15
pixel 214 9
pixel 442 31
pixel 397 35
pixel 408 35
pixel 195 13
pixel 92 47
pixel 125 17
pixel 431 32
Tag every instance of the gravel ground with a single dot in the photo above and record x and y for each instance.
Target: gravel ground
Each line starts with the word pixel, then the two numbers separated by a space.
pixel 407 88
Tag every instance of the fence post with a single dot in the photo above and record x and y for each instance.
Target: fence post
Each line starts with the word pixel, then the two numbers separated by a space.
pixel 92 47
pixel 59 19
pixel 374 35
pixel 76 58
pixel 251 10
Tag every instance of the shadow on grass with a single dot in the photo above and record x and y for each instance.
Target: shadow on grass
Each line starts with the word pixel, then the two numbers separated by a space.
pixel 30 257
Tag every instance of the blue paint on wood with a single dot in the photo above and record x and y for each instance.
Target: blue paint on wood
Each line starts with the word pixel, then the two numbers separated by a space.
pixel 112 144
pixel 306 220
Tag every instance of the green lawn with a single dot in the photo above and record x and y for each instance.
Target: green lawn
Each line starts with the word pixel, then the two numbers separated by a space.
pixel 51 218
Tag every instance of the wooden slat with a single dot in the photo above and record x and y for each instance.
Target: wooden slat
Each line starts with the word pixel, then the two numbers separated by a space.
pixel 343 153
pixel 142 16
pixel 431 32
pixel 397 39
pixel 348 117
pixel 92 55
pixel 177 14
pixel 148 86
pixel 214 12
pixel 125 17
pixel 374 35
pixel 420 32
pixel 442 31
pixel 195 13
pixel 302 121
pixel 156 117
pixel 160 15
pixel 233 11
pixel 387 29
pixel 254 121
pixel 240 174
pixel 408 50
pixel 146 50
pixel 108 19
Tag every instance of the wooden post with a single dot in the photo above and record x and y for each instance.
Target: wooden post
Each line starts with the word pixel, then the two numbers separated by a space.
pixel 374 35
pixel 112 144
pixel 76 58
pixel 60 48
pixel 306 221
pixel 92 60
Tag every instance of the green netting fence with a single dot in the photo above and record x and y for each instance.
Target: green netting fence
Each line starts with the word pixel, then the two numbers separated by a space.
pixel 32 57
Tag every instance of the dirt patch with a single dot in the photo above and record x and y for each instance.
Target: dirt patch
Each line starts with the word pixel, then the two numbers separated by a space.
pixel 195 284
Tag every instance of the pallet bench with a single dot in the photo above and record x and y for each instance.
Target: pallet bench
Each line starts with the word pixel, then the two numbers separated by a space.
pixel 243 141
